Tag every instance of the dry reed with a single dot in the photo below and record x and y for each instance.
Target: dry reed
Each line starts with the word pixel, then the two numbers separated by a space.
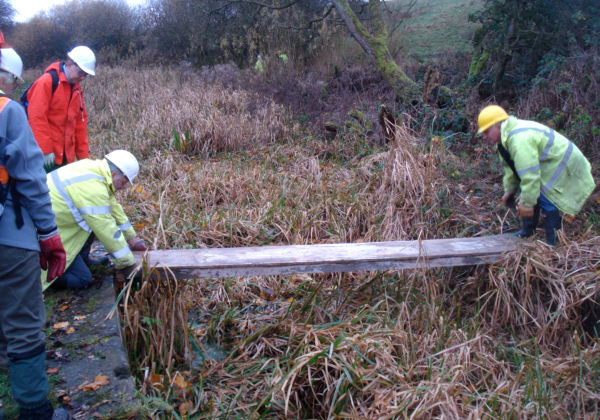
pixel 498 341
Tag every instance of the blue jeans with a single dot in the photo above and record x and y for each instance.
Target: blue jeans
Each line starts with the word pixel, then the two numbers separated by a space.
pixel 545 204
pixel 77 275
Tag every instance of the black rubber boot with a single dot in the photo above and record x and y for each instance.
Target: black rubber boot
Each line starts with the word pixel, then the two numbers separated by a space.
pixel 536 217
pixel 552 223
pixel 527 229
pixel 61 414
pixel 42 412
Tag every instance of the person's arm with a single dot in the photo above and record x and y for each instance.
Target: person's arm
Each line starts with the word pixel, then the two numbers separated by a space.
pixel 82 148
pixel 523 147
pixel 509 181
pixel 121 219
pixel 135 243
pixel 99 217
pixel 24 162
pixel 39 97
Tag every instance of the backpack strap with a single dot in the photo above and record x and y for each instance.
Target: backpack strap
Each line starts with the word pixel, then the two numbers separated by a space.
pixel 54 75
pixel 24 96
pixel 7 183
pixel 509 162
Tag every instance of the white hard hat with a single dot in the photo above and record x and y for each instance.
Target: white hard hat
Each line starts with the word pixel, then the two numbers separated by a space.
pixel 11 62
pixel 126 162
pixel 84 58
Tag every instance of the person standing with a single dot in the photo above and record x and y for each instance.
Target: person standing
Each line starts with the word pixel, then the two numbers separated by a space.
pixel 546 170
pixel 29 241
pixel 56 109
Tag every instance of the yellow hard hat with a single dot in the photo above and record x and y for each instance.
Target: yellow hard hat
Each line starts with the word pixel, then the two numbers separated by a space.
pixel 489 116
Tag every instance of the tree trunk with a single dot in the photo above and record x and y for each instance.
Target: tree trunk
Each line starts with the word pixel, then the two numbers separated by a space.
pixel 375 46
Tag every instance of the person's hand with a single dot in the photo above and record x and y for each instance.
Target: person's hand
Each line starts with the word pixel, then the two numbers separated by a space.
pixel 52 256
pixel 137 244
pixel 508 199
pixel 49 160
pixel 525 212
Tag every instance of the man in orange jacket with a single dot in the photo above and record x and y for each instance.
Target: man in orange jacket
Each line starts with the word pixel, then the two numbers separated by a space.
pixel 56 109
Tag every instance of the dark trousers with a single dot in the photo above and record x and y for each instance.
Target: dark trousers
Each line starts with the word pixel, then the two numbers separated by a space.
pixel 78 275
pixel 22 318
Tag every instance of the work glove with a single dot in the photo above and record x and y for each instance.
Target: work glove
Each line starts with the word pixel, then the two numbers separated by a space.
pixel 52 256
pixel 508 199
pixel 49 161
pixel 137 244
pixel 525 212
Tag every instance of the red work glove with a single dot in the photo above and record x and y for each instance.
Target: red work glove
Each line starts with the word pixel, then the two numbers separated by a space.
pixel 137 244
pixel 52 256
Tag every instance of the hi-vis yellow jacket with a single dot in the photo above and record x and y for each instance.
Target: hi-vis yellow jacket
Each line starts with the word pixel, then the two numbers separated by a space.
pixel 547 163
pixel 83 199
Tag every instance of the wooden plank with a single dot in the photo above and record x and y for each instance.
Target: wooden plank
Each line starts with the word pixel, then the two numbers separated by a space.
pixel 329 258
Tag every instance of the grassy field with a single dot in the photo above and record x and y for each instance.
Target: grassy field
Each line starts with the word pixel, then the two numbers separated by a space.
pixel 226 167
pixel 439 27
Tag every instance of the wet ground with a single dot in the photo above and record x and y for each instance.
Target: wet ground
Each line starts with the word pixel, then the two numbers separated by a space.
pixel 87 364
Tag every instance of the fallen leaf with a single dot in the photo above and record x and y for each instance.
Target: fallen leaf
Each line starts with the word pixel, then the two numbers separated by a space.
pixel 184 408
pixel 64 307
pixel 80 317
pixel 99 380
pixel 60 325
pixel 51 371
pixel 70 330
pixel 180 382
pixel 156 381
pixel 267 294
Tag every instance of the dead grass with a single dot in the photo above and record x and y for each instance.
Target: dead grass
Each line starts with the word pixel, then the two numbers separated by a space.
pixel 498 341
pixel 153 108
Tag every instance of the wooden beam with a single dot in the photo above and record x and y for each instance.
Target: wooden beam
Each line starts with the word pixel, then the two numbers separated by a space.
pixel 329 258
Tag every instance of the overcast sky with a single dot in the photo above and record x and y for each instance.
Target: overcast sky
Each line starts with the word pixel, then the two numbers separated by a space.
pixel 26 9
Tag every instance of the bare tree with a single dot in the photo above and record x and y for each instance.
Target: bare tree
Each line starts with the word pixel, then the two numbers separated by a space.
pixel 365 21
pixel 7 14
pixel 374 41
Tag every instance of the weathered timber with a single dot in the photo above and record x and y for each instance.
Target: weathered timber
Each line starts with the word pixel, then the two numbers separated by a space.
pixel 329 258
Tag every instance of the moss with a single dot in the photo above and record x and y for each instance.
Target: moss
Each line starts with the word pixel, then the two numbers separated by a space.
pixel 358 115
pixel 477 63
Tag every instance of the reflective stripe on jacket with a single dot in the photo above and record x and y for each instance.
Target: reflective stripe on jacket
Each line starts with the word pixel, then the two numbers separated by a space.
pixel 547 163
pixel 83 198
pixel 58 120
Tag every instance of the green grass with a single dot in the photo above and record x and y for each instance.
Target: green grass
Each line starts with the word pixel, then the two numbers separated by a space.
pixel 439 26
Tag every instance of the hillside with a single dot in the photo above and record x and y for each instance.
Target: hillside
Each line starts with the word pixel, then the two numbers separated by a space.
pixel 439 27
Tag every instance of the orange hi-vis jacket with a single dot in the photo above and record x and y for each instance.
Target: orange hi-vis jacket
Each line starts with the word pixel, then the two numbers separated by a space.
pixel 58 120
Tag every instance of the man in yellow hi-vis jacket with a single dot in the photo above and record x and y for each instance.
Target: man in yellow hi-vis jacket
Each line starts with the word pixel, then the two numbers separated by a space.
pixel 545 168
pixel 83 199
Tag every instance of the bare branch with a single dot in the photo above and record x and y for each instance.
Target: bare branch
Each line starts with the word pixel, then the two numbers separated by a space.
pixel 311 22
